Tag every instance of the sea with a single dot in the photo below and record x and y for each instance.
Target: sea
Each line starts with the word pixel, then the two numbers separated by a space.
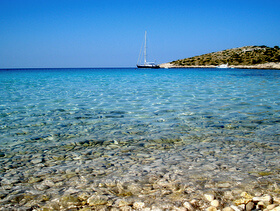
pixel 144 134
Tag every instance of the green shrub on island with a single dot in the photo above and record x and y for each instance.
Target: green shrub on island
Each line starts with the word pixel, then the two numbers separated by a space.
pixel 248 55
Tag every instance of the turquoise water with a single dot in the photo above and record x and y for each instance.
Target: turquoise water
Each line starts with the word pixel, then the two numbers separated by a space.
pixel 132 123
pixel 127 104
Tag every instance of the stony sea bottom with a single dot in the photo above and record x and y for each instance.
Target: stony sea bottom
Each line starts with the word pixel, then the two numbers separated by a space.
pixel 126 139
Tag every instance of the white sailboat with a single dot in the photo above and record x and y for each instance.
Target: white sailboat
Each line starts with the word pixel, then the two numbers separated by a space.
pixel 146 64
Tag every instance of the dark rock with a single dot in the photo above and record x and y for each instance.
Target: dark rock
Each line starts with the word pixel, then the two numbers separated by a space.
pixel 250 206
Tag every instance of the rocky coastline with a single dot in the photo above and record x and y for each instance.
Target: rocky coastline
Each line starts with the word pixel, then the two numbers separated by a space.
pixel 266 66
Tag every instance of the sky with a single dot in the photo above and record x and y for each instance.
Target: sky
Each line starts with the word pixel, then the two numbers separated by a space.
pixel 110 33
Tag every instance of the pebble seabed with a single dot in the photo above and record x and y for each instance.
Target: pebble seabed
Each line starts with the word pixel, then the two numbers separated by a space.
pixel 181 173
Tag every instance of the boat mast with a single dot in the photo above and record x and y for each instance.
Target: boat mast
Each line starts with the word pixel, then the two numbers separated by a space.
pixel 145 48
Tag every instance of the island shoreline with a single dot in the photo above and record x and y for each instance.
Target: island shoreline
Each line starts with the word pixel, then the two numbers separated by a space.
pixel 266 66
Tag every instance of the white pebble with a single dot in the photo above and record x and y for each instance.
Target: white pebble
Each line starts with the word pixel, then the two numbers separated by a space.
pixel 188 206
pixel 138 205
pixel 271 206
pixel 215 203
pixel 209 197
pixel 211 209
pixel 276 199
pixel 265 198
pixel 178 209
pixel 235 208
pixel 276 209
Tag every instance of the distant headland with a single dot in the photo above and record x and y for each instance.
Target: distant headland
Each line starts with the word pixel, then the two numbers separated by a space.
pixel 248 57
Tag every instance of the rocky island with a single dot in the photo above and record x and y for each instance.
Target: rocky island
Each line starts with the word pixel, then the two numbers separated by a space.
pixel 248 57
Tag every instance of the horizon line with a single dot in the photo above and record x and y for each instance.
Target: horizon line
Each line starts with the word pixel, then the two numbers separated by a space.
pixel 46 68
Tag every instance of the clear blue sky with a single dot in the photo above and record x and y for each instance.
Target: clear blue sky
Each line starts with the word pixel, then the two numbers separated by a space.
pixel 109 33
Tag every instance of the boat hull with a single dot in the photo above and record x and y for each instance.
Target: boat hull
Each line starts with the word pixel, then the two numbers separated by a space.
pixel 148 66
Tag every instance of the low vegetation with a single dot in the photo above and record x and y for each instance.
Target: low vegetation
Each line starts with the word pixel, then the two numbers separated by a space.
pixel 248 55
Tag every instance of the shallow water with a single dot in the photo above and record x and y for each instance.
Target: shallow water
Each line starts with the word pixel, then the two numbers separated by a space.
pixel 79 128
